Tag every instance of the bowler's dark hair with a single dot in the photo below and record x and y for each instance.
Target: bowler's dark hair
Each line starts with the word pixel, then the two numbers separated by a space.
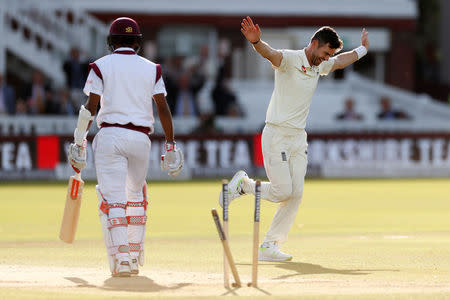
pixel 327 35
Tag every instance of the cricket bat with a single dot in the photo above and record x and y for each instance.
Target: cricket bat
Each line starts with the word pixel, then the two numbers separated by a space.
pixel 72 209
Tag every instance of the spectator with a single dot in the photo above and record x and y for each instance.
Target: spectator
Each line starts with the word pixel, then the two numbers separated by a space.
pixel 388 113
pixel 349 112
pixel 234 110
pixel 34 94
pixel 51 103
pixel 59 103
pixel 7 98
pixel 186 104
pixel 207 125
pixel 66 105
pixel 171 72
pixel 200 69
pixel 75 70
pixel 223 97
pixel 21 107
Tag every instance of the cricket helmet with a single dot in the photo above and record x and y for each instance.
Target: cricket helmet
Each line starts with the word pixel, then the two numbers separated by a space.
pixel 124 30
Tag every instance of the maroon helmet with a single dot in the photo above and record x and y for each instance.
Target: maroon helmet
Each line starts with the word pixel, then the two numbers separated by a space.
pixel 124 31
pixel 124 26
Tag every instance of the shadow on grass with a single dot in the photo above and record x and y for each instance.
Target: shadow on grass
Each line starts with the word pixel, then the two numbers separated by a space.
pixel 300 268
pixel 127 284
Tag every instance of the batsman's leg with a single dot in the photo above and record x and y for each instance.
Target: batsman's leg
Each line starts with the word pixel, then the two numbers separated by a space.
pixel 137 219
pixel 103 214
pixel 114 229
pixel 138 159
pixel 111 167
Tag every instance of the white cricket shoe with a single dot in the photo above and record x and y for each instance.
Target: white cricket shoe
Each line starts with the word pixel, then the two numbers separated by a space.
pixel 134 266
pixel 269 251
pixel 123 268
pixel 234 187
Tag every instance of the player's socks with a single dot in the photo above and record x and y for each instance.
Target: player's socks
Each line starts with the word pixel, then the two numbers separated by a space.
pixel 248 187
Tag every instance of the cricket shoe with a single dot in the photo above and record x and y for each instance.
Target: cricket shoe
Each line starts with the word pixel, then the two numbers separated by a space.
pixel 234 187
pixel 269 251
pixel 134 266
pixel 123 268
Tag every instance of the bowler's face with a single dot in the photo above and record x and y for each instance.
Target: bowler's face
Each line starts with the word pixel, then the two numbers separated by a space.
pixel 321 54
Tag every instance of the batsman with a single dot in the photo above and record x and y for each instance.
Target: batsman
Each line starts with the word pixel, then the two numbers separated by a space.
pixel 124 84
pixel 284 144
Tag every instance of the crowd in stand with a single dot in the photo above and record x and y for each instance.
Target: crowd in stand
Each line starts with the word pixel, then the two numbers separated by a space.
pixel 386 111
pixel 185 78
pixel 195 88
pixel 38 97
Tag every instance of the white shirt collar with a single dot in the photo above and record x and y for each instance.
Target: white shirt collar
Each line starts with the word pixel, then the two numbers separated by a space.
pixel 304 58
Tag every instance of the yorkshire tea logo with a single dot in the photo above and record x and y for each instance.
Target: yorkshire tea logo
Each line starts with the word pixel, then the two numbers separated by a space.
pixel 129 29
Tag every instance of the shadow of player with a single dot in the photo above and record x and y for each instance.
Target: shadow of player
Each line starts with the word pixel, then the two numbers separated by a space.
pixel 306 268
pixel 128 284
pixel 81 282
pixel 300 268
pixel 137 284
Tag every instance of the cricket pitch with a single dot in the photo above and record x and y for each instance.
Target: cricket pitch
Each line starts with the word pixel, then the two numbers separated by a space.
pixel 360 239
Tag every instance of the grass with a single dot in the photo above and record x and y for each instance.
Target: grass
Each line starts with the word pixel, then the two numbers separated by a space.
pixel 367 234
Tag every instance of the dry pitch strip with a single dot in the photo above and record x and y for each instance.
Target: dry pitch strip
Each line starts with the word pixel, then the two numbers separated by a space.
pixel 228 262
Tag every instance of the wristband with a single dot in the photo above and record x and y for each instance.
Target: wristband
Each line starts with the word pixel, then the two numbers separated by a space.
pixel 170 146
pixel 254 43
pixel 360 51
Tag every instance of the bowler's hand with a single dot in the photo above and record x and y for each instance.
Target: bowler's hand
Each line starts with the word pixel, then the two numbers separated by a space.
pixel 365 39
pixel 251 31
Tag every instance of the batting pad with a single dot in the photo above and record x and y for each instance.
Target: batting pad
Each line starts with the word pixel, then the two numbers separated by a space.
pixel 137 219
pixel 105 230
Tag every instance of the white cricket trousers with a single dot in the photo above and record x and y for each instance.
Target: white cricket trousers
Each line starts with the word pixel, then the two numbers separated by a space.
pixel 285 160
pixel 121 161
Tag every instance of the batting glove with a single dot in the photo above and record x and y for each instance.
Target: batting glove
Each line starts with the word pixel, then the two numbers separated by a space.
pixel 172 161
pixel 76 155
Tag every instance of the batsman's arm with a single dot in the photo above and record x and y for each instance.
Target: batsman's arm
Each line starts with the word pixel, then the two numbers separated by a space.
pixel 85 118
pixel 92 105
pixel 347 58
pixel 165 116
pixel 252 33
pixel 76 154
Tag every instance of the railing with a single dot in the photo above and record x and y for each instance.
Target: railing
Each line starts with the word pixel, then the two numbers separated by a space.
pixel 42 33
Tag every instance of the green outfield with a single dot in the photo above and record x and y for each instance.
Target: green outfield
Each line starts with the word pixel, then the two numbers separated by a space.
pixel 359 239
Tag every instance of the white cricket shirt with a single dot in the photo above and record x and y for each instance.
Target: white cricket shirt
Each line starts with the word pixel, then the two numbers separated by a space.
pixel 295 83
pixel 126 83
